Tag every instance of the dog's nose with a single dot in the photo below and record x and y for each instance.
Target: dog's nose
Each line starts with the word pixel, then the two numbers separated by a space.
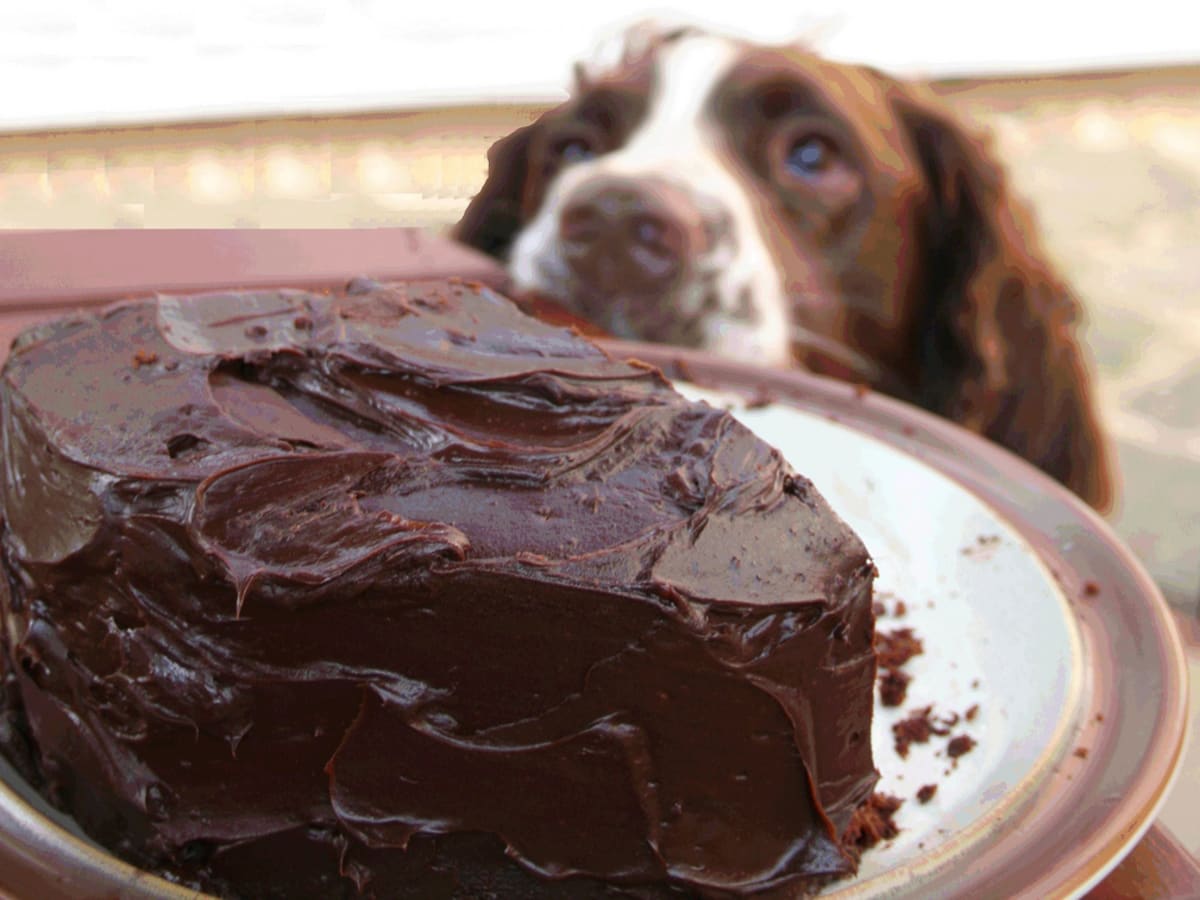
pixel 622 234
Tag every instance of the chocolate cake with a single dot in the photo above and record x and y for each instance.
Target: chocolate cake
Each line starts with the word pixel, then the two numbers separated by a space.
pixel 396 591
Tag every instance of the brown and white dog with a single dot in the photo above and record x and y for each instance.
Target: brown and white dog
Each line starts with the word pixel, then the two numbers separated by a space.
pixel 767 204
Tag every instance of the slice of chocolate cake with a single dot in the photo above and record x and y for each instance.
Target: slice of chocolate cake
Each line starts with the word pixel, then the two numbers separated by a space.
pixel 400 591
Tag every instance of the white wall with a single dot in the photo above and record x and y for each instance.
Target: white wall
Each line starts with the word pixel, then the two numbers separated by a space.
pixel 89 62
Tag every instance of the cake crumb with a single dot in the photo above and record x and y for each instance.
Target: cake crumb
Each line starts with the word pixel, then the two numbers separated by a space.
pixel 1099 717
pixel 893 687
pixel 894 648
pixel 1081 752
pixel 1090 589
pixel 920 726
pixel 925 794
pixel 971 713
pixel 901 609
pixel 960 745
pixel 916 729
pixel 871 823
pixel 144 358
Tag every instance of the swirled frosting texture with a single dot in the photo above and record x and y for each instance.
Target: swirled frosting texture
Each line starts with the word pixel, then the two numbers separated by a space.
pixel 398 590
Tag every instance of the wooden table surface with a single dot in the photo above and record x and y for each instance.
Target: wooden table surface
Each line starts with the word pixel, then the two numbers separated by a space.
pixel 43 274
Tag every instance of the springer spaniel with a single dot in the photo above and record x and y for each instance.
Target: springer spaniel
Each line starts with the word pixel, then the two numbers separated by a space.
pixel 769 205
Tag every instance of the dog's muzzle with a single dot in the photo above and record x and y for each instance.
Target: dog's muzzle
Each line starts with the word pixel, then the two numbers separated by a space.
pixel 625 236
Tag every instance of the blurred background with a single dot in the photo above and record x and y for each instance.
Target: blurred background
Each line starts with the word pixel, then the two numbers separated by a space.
pixel 358 113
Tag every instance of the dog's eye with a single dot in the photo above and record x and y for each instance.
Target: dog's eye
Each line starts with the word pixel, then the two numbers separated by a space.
pixel 808 161
pixel 808 156
pixel 575 150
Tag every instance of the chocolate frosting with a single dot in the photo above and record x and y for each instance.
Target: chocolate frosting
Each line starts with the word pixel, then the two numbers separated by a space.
pixel 398 590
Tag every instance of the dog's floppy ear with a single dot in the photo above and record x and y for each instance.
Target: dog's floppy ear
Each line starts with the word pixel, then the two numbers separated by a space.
pixel 496 213
pixel 996 333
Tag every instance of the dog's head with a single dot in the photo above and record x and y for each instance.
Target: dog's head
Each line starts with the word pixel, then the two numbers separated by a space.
pixel 764 203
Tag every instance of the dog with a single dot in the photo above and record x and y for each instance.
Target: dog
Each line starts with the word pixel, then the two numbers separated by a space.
pixel 769 205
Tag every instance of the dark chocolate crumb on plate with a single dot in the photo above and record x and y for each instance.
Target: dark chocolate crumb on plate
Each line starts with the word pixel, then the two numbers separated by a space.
pixel 960 745
pixel 916 729
pixel 871 823
pixel 971 713
pixel 925 794
pixel 920 726
pixel 894 648
pixel 893 687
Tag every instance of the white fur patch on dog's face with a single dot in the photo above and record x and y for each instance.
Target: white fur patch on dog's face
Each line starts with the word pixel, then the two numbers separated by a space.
pixel 733 291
